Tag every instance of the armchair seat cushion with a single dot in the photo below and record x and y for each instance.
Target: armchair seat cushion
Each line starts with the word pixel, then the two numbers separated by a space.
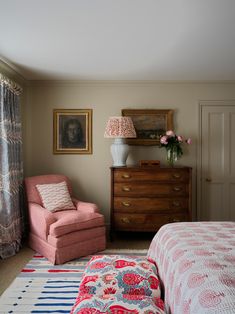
pixel 77 236
pixel 73 220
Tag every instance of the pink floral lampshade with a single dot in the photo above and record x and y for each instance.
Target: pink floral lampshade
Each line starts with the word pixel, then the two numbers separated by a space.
pixel 120 127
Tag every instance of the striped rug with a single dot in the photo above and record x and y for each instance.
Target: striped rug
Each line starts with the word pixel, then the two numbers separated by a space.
pixel 44 288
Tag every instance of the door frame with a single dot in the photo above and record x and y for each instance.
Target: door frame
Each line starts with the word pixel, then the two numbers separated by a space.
pixel 201 104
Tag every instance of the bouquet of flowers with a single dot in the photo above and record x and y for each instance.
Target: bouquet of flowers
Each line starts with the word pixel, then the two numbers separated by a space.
pixel 172 143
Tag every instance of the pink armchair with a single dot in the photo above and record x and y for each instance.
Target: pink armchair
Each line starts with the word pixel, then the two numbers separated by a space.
pixel 67 234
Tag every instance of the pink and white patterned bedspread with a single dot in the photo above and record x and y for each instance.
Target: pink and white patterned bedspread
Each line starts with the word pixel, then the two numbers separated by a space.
pixel 196 263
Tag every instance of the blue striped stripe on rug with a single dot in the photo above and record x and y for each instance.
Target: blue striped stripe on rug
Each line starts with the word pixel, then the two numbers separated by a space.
pixel 44 288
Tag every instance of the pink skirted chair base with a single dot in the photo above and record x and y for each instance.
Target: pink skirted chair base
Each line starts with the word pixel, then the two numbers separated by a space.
pixel 63 235
pixel 67 253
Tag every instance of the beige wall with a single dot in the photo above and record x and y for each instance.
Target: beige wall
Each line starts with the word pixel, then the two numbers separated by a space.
pixel 90 173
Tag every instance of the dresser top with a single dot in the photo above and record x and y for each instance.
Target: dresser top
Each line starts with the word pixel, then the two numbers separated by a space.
pixel 150 167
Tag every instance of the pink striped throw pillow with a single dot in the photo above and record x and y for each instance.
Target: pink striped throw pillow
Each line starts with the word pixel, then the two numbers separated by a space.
pixel 55 196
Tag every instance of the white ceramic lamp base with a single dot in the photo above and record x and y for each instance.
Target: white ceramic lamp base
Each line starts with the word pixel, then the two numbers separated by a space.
pixel 119 151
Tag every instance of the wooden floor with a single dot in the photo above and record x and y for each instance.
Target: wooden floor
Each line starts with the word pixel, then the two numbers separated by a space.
pixel 11 267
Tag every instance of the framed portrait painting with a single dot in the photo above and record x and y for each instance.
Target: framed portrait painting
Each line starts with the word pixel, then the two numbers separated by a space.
pixel 72 131
pixel 149 125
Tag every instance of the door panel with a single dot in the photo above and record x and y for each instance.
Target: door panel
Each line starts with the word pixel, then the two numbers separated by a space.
pixel 215 143
pixel 214 201
pixel 217 162
pixel 232 201
pixel 232 145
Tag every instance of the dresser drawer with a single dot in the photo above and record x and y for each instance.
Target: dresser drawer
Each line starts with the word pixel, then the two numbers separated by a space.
pixel 174 175
pixel 145 222
pixel 149 205
pixel 150 189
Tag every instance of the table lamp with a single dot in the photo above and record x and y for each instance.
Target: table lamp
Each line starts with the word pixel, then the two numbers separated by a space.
pixel 119 128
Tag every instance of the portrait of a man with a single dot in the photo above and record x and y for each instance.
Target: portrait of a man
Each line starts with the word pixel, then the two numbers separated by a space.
pixel 72 135
pixel 72 131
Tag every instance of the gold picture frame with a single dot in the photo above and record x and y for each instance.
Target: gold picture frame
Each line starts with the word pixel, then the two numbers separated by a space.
pixel 72 130
pixel 149 124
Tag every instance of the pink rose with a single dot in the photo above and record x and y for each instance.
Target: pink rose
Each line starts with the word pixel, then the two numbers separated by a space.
pixel 189 141
pixel 170 133
pixel 163 140
pixel 180 138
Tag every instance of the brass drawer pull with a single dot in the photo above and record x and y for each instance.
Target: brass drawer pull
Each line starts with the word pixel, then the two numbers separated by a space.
pixel 125 220
pixel 176 220
pixel 126 176
pixel 176 203
pixel 126 189
pixel 176 175
pixel 177 188
pixel 126 204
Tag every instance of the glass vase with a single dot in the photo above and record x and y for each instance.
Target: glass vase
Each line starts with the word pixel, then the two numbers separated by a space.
pixel 172 156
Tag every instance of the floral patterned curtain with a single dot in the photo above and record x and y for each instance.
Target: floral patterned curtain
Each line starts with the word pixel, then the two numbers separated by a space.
pixel 11 169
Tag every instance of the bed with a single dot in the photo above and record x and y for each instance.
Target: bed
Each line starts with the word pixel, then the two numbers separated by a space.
pixel 196 264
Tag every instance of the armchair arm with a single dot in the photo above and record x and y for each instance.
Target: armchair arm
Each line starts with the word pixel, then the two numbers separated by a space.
pixel 40 220
pixel 85 206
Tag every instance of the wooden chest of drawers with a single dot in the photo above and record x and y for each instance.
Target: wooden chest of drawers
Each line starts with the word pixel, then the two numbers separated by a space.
pixel 145 198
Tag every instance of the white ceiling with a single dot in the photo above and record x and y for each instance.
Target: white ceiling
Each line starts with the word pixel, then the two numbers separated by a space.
pixel 119 39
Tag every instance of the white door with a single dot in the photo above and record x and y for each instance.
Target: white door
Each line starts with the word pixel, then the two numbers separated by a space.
pixel 217 173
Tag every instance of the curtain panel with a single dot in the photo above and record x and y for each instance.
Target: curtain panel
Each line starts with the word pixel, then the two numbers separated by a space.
pixel 11 169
